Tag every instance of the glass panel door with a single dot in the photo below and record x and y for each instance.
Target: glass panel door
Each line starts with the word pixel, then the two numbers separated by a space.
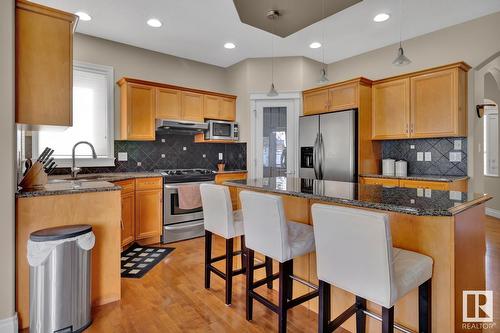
pixel 275 139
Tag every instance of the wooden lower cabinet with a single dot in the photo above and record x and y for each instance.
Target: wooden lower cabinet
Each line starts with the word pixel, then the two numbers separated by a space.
pixel 142 210
pixel 223 177
pixel 457 185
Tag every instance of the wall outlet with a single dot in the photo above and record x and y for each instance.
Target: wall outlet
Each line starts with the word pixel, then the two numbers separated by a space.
pixel 163 140
pixel 455 195
pixel 184 148
pixel 122 156
pixel 162 155
pixel 420 156
pixel 428 156
pixel 221 156
pixel 457 144
pixel 428 193
pixel 412 146
pixel 139 163
pixel 420 192
pixel 455 156
pixel 412 201
pixel 204 155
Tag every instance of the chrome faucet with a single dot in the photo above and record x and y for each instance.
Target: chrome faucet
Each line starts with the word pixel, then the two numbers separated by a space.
pixel 74 169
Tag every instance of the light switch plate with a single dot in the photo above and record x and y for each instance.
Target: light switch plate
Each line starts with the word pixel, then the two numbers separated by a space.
pixel 455 195
pixel 221 156
pixel 204 155
pixel 428 156
pixel 420 192
pixel 457 144
pixel 420 156
pixel 455 156
pixel 428 193
pixel 162 140
pixel 162 155
pixel 122 156
pixel 412 146
pixel 184 148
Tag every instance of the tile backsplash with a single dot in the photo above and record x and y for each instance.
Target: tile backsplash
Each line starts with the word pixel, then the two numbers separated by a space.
pixel 440 148
pixel 173 151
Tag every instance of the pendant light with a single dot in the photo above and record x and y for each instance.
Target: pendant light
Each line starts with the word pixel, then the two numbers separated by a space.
pixel 272 15
pixel 323 78
pixel 401 59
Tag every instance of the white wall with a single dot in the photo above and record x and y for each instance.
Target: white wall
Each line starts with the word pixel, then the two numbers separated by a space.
pixel 472 42
pixel 7 167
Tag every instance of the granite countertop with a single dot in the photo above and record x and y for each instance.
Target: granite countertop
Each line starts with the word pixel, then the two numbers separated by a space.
pixel 395 199
pixel 96 182
pixel 432 178
pixel 69 187
pixel 230 171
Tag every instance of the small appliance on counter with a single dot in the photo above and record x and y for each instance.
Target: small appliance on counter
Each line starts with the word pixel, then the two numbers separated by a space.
pixel 401 168
pixel 388 166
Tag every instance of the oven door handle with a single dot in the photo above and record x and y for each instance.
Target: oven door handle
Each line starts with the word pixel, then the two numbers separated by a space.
pixel 177 227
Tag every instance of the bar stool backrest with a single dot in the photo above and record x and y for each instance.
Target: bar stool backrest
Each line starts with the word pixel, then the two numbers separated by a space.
pixel 217 209
pixel 265 224
pixel 354 251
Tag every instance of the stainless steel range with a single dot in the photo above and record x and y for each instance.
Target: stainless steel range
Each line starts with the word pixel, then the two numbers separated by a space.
pixel 179 224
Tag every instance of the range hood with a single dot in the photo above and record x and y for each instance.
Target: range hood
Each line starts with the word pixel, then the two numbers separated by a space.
pixel 180 127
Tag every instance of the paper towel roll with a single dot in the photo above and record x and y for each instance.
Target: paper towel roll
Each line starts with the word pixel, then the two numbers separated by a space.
pixel 401 168
pixel 388 167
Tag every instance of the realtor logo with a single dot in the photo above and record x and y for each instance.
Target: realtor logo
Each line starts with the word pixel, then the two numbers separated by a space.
pixel 477 306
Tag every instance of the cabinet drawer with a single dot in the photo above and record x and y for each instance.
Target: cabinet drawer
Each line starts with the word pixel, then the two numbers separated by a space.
pixel 148 183
pixel 126 185
pixel 380 181
pixel 221 178
pixel 442 186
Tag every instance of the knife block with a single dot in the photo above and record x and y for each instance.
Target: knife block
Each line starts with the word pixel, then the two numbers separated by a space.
pixel 35 178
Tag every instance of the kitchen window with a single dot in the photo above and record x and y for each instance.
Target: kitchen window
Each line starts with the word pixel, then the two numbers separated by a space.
pixel 92 120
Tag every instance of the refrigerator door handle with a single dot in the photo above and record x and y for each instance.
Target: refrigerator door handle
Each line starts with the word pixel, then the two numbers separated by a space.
pixel 321 155
pixel 315 156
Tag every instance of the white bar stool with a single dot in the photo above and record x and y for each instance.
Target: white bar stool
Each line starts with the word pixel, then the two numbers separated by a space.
pixel 220 219
pixel 354 252
pixel 268 232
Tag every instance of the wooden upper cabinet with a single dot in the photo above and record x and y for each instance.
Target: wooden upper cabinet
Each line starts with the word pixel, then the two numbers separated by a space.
pixel 343 97
pixel 316 102
pixel 391 109
pixel 435 105
pixel 44 65
pixel 169 104
pixel 228 109
pixel 138 110
pixel 192 106
pixel 211 106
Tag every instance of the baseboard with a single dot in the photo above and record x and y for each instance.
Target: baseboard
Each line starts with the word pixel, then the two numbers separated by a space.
pixel 493 212
pixel 9 325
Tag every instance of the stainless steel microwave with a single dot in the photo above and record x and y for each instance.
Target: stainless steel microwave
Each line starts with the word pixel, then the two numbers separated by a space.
pixel 222 130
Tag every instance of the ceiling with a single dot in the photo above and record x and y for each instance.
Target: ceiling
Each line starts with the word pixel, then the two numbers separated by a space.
pixel 198 29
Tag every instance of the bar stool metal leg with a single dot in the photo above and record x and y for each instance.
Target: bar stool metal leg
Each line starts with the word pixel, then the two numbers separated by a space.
pixel 249 283
pixel 324 311
pixel 387 320
pixel 208 257
pixel 229 270
pixel 424 307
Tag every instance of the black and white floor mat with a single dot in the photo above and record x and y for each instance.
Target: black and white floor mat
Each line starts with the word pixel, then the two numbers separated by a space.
pixel 137 260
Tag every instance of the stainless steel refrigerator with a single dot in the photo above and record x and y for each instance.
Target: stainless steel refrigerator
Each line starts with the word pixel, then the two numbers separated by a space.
pixel 328 146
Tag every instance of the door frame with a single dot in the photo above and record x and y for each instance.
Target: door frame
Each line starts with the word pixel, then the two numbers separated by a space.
pixel 293 98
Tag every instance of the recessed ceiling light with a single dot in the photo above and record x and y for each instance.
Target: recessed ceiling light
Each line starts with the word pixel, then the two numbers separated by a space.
pixel 229 45
pixel 83 16
pixel 381 17
pixel 155 23
pixel 315 45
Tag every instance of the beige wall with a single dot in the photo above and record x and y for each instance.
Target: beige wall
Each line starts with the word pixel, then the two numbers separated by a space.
pixel 473 42
pixel 148 65
pixel 7 168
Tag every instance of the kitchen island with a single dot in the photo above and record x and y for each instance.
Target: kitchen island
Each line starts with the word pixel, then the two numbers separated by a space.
pixel 448 226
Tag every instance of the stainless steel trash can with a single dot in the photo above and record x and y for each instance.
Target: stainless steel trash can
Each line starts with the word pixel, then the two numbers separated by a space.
pixel 60 279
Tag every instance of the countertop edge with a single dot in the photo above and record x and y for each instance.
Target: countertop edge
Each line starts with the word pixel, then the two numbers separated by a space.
pixel 46 193
pixel 431 178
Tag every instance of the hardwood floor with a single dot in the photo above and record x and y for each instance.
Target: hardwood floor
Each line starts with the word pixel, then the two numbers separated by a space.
pixel 171 297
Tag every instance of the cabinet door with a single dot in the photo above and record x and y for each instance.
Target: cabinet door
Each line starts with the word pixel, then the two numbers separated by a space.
pixel 343 97
pixel 141 111
pixel 168 104
pixel 192 106
pixel 128 218
pixel 316 102
pixel 44 65
pixel 228 109
pixel 434 104
pixel 148 213
pixel 391 109
pixel 211 107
